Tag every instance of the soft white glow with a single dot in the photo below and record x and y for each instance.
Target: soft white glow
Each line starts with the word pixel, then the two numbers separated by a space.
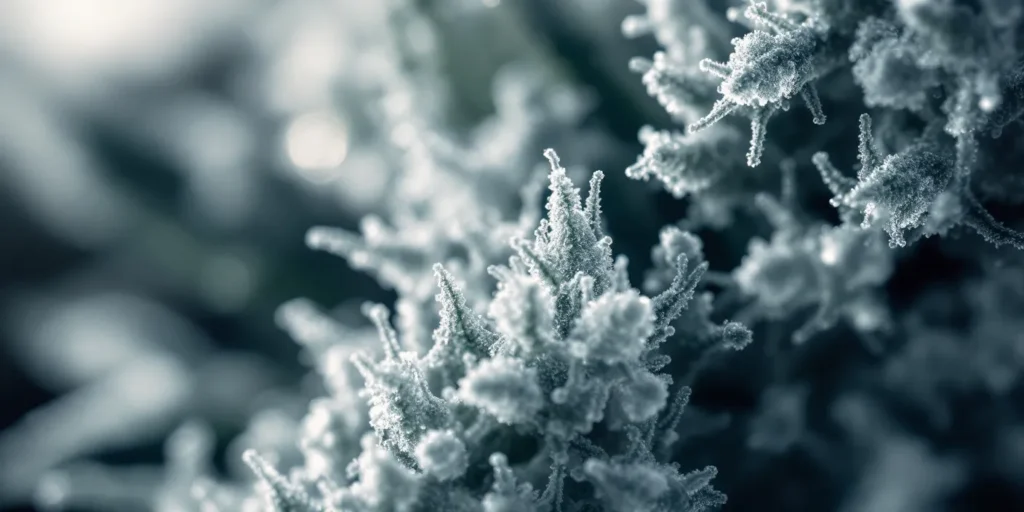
pixel 316 145
pixel 96 29
pixel 829 251
pixel 80 39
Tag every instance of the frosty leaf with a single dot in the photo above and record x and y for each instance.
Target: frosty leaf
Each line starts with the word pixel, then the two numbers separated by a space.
pixel 461 331
pixel 282 495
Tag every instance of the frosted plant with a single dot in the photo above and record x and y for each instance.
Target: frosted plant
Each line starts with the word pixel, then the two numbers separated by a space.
pixel 688 164
pixel 911 58
pixel 766 69
pixel 488 176
pixel 900 190
pixel 568 355
pixel 680 91
pixel 704 168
